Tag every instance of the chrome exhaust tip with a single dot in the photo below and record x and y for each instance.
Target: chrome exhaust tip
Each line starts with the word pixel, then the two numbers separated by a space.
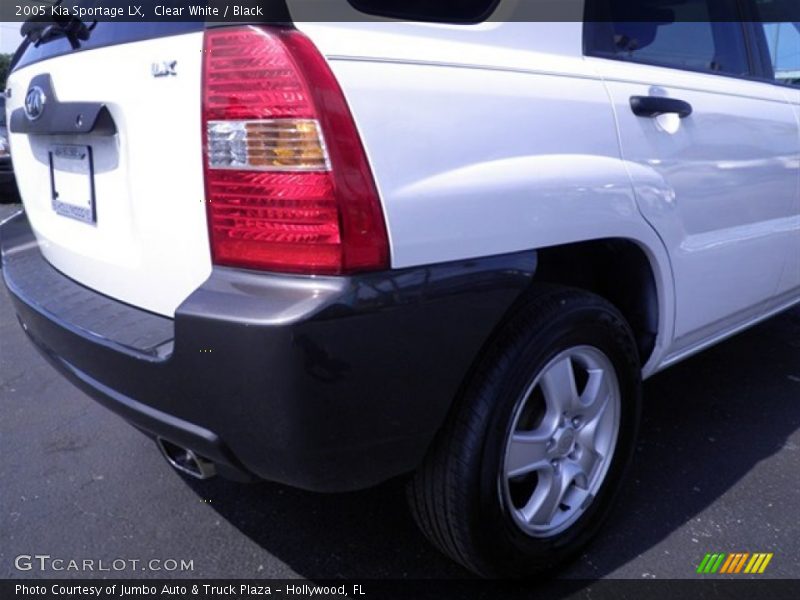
pixel 186 461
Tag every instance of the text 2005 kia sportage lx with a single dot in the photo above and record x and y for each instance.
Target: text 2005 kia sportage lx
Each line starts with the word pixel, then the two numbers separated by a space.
pixel 328 254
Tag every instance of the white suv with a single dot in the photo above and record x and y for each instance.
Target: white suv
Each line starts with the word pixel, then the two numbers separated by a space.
pixel 331 253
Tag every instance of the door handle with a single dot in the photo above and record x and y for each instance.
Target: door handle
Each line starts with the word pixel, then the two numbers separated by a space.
pixel 653 106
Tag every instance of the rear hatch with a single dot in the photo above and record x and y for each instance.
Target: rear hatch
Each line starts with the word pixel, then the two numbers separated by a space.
pixel 118 203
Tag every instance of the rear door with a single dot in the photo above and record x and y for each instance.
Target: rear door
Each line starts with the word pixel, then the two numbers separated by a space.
pixel 713 155
pixel 117 205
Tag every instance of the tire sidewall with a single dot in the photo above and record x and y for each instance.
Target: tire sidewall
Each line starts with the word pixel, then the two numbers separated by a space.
pixel 504 543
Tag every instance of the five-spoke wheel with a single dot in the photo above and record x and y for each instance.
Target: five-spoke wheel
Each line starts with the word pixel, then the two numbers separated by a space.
pixel 564 431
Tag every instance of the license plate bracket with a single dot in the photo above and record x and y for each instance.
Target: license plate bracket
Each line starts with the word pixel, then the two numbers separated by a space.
pixel 72 182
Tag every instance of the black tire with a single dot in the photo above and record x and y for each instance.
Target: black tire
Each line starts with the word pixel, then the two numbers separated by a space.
pixel 455 496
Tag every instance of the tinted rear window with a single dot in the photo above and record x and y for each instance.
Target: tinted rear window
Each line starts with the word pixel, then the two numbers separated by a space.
pixel 698 35
pixel 447 11
pixel 107 33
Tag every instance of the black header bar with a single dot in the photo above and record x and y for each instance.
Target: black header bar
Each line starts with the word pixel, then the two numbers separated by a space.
pixel 270 11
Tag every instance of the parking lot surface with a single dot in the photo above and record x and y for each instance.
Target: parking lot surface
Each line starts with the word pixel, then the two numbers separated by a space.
pixel 717 470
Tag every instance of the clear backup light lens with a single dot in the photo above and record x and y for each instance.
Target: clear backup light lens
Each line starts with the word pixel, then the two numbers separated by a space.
pixel 4 147
pixel 268 145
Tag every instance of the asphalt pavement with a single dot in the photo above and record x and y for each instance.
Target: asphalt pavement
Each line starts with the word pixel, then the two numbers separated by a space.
pixel 717 470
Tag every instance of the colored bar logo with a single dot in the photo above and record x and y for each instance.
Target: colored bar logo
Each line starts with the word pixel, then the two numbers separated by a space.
pixel 737 562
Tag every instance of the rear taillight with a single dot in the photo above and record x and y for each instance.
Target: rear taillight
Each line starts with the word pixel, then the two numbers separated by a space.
pixel 288 186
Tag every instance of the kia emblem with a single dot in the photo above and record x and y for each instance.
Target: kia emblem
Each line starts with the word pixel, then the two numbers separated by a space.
pixel 35 100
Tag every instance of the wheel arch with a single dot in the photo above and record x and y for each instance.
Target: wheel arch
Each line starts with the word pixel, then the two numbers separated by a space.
pixel 629 274
pixel 616 269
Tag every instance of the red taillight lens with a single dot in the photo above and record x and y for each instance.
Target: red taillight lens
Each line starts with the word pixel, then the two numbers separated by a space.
pixel 288 187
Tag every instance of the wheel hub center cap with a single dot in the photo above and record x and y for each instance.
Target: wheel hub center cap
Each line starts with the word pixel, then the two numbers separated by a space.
pixel 565 441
